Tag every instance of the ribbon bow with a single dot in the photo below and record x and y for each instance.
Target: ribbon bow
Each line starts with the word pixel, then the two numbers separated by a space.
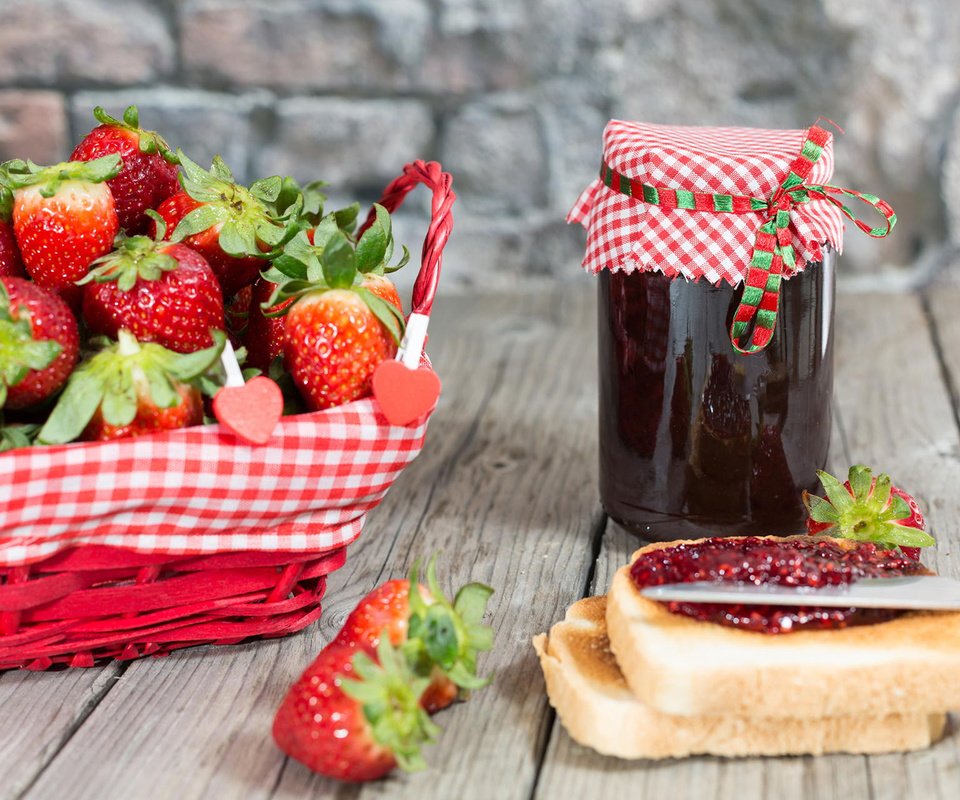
pixel 773 250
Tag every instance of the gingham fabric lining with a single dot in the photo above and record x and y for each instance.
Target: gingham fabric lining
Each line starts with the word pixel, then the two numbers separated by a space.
pixel 198 490
pixel 626 234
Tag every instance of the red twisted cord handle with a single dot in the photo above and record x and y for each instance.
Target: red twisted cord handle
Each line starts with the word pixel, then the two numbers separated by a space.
pixel 431 175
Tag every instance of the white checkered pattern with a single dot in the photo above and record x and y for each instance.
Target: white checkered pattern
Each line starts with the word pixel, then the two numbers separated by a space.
pixel 627 234
pixel 199 490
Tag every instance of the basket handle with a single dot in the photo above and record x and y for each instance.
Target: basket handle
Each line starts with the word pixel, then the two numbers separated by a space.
pixel 431 175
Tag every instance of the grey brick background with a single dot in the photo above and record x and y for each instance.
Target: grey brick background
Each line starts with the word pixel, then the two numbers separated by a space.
pixel 510 95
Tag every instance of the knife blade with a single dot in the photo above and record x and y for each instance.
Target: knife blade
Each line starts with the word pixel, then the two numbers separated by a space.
pixel 910 592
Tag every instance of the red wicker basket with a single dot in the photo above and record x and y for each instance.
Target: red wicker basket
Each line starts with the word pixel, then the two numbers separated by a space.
pixel 146 545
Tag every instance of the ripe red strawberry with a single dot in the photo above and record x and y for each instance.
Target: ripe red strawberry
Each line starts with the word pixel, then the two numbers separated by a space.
pixel 429 651
pixel 868 509
pixel 354 719
pixel 64 218
pixel 149 173
pixel 341 327
pixel 236 312
pixel 160 292
pixel 229 225
pixel 10 262
pixel 129 389
pixel 334 343
pixel 382 287
pixel 441 639
pixel 233 273
pixel 264 335
pixel 39 343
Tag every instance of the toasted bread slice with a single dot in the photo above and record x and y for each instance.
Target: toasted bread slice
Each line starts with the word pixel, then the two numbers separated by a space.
pixel 680 665
pixel 598 709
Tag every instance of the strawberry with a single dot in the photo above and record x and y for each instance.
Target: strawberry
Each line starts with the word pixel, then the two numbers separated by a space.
pixel 411 649
pixel 10 262
pixel 352 718
pixel 39 343
pixel 440 639
pixel 63 217
pixel 868 509
pixel 130 389
pixel 159 291
pixel 149 173
pixel 264 336
pixel 338 330
pixel 231 226
pixel 236 312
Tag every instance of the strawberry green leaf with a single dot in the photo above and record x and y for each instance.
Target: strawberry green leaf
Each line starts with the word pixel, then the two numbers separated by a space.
pixel 288 267
pixel 220 169
pixel 13 437
pixel 313 200
pixel 463 677
pixel 372 246
pixel 837 493
pixel 387 313
pixel 119 405
pixel 186 366
pixel 346 218
pixel 338 262
pixel 73 411
pixel 273 235
pixel 902 536
pixel 882 490
pixel 267 189
pixel 6 202
pixel 471 603
pixel 400 264
pixel 235 240
pixel 162 392
pixel 200 219
pixel 439 633
pixel 324 231
pixel 861 481
pixel 898 509
pixel 821 510
pixel 102 169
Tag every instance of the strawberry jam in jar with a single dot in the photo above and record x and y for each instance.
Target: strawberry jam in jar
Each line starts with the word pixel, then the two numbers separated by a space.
pixel 714 250
pixel 696 439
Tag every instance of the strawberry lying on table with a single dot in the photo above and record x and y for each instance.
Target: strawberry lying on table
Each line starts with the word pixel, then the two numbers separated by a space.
pixel 868 508
pixel 361 708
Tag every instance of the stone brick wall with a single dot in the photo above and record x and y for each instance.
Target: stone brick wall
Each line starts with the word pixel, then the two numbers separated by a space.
pixel 511 95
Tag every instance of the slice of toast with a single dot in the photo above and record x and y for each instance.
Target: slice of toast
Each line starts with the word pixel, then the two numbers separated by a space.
pixel 598 709
pixel 680 665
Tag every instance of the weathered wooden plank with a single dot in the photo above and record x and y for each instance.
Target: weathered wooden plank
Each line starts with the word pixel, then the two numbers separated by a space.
pixel 893 411
pixel 516 510
pixel 504 489
pixel 40 712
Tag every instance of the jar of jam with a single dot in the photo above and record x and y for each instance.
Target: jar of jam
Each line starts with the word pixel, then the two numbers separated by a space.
pixel 714 251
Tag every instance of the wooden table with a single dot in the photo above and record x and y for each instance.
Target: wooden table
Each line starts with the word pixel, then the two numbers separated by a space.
pixel 506 490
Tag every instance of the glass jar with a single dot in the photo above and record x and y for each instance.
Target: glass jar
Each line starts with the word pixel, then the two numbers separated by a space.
pixel 697 439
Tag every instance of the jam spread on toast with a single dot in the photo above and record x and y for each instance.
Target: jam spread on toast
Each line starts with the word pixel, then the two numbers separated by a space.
pixel 802 561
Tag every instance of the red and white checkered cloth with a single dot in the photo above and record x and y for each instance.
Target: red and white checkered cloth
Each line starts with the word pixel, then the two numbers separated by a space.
pixel 628 234
pixel 200 490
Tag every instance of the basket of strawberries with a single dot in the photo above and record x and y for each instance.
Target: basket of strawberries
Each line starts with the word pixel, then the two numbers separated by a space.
pixel 204 388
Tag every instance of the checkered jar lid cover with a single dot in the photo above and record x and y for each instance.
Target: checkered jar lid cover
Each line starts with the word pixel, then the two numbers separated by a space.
pixel 689 200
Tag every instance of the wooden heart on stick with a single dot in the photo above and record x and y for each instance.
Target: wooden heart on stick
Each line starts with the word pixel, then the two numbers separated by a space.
pixel 405 394
pixel 248 410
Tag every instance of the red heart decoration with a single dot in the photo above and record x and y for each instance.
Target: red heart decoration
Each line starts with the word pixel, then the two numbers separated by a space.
pixel 250 411
pixel 405 394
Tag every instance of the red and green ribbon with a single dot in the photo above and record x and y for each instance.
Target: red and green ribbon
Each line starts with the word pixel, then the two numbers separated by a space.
pixel 773 250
